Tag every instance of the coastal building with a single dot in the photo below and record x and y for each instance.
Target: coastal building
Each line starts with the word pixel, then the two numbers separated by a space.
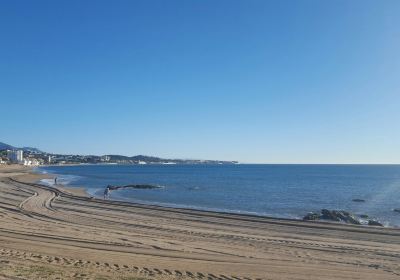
pixel 31 162
pixel 105 158
pixel 15 156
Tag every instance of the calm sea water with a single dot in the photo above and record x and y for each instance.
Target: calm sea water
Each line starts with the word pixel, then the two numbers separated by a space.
pixel 288 191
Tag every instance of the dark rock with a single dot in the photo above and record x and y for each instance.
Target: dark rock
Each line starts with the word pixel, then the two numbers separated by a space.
pixel 311 217
pixel 347 217
pixel 353 220
pixel 397 210
pixel 110 187
pixel 358 200
pixel 141 187
pixel 339 216
pixel 329 215
pixel 376 266
pixel 374 223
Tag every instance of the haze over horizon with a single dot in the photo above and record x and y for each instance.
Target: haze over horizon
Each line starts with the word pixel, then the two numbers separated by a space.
pixel 257 82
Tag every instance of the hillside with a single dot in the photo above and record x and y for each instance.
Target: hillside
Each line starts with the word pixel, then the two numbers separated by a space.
pixel 112 158
pixel 4 146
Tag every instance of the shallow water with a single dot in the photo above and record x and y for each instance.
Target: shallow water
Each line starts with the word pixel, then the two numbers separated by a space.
pixel 288 191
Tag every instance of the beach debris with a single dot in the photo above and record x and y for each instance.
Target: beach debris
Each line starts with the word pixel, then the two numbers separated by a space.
pixel 358 200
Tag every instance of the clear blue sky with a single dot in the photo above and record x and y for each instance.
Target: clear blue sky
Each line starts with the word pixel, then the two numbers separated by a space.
pixel 254 81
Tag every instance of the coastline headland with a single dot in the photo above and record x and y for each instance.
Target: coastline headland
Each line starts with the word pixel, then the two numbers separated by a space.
pixel 48 233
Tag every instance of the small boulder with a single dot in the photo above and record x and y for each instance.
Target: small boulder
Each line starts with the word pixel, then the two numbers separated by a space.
pixel 347 217
pixel 397 210
pixel 339 216
pixel 352 220
pixel 374 223
pixel 358 200
pixel 329 215
pixel 311 216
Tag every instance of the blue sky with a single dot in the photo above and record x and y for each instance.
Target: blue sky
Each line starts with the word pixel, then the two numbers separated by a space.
pixel 254 81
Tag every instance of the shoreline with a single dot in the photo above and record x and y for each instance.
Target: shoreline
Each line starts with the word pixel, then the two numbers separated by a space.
pixel 79 191
pixel 227 215
pixel 78 194
pixel 82 190
pixel 65 235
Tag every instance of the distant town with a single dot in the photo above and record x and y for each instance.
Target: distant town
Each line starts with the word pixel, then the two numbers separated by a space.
pixel 33 157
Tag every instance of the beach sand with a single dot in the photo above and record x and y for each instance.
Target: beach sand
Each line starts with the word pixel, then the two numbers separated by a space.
pixel 50 233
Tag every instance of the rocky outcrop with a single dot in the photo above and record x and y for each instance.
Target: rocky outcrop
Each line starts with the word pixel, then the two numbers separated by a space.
pixel 339 216
pixel 358 200
pixel 311 216
pixel 397 210
pixel 112 188
pixel 374 223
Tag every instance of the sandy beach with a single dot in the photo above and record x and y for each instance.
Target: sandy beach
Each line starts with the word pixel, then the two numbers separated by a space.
pixel 48 233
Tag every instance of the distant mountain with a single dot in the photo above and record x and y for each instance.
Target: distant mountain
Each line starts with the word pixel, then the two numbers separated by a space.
pixel 4 146
pixel 137 158
pixel 150 159
pixel 111 158
pixel 32 150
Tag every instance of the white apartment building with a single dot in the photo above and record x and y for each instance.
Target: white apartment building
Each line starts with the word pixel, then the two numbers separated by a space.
pixel 105 158
pixel 16 156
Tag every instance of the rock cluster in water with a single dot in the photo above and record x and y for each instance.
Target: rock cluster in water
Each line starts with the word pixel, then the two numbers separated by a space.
pixel 110 187
pixel 358 200
pixel 338 216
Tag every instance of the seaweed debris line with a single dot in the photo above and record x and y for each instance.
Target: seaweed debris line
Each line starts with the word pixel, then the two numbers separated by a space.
pixel 110 188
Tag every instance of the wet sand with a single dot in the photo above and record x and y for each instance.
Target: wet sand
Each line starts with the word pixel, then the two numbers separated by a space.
pixel 48 233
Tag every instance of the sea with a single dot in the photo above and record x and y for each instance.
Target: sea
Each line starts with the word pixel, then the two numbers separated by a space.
pixel 274 190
